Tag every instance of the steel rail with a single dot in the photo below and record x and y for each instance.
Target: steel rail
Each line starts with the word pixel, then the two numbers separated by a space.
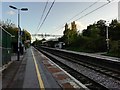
pixel 110 73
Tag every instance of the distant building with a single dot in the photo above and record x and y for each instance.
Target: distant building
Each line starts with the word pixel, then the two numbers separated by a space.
pixel 59 45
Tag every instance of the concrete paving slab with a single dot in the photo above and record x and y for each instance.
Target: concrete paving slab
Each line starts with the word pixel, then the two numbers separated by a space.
pixel 19 77
pixel 30 78
pixel 9 71
pixel 48 80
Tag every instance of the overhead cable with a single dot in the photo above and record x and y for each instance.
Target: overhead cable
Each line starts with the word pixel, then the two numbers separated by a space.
pixel 47 14
pixel 42 14
pixel 92 11
pixel 82 11
pixel 95 9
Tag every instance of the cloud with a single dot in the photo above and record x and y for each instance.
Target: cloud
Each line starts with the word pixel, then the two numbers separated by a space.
pixel 11 13
pixel 80 26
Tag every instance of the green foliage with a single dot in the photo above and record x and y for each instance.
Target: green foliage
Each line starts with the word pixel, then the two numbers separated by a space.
pixel 92 31
pixel 93 39
pixel 26 36
pixel 114 30
pixel 115 48
pixel 14 32
pixel 70 35
pixel 96 44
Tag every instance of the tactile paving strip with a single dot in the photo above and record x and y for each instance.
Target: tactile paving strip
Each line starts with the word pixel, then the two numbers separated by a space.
pixel 64 80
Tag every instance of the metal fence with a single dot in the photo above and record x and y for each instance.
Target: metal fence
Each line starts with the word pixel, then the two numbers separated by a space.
pixel 6 46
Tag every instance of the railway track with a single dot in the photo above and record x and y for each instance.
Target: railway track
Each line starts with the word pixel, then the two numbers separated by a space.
pixel 101 69
pixel 93 76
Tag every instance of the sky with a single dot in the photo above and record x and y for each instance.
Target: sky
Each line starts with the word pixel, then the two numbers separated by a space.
pixel 60 13
pixel 119 11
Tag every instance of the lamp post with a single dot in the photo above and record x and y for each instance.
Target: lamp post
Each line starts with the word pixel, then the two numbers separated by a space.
pixel 19 29
pixel 107 37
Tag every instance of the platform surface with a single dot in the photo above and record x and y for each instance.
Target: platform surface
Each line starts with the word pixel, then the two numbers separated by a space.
pixel 38 71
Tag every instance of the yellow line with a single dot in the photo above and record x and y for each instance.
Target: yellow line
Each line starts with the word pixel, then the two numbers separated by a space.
pixel 38 73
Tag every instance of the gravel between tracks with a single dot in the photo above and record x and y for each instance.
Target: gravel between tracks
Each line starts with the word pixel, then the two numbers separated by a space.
pixel 104 80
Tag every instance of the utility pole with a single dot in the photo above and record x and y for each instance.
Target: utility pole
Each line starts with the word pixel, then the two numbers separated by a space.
pixel 107 37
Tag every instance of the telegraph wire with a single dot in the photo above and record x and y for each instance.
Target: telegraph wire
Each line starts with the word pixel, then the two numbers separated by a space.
pixel 40 25
pixel 43 14
pixel 84 10
pixel 92 11
pixel 81 16
pixel 95 9
pixel 81 12
pixel 46 15
pixel 44 10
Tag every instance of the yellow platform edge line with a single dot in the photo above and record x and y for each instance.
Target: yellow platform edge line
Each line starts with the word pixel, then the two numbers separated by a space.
pixel 38 73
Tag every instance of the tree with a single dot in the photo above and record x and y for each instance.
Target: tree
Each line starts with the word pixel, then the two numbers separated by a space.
pixel 66 36
pixel 96 36
pixel 70 35
pixel 92 31
pixel 26 38
pixel 114 30
pixel 93 39
pixel 102 27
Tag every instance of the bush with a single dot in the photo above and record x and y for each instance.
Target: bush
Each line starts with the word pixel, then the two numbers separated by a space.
pixel 115 48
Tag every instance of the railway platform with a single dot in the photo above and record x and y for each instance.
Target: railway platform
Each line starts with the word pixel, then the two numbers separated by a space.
pixel 35 70
pixel 95 55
